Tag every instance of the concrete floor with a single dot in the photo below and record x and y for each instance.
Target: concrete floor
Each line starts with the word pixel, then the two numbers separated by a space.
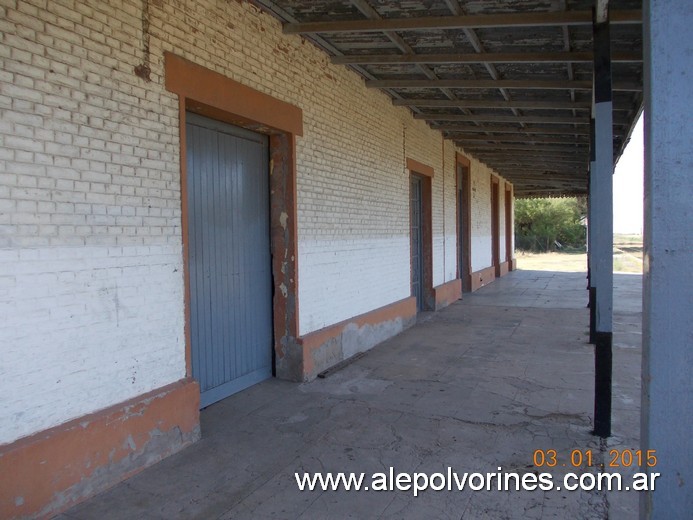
pixel 477 386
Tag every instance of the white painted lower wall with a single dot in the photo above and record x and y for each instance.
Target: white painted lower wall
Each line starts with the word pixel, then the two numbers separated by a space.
pixel 450 259
pixel 481 217
pixel 340 279
pixel 84 328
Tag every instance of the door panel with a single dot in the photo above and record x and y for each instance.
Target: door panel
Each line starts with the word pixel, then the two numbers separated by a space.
pixel 463 227
pixel 495 229
pixel 416 223
pixel 229 261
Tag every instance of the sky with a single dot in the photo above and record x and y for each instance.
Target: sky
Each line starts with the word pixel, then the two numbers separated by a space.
pixel 628 185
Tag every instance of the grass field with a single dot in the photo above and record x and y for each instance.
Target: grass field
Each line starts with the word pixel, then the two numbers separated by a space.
pixel 628 253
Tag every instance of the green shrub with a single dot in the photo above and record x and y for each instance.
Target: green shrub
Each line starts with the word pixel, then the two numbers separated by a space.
pixel 550 224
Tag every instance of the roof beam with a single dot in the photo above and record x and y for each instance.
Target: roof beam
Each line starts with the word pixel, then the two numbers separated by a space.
pixel 540 19
pixel 516 138
pixel 485 57
pixel 502 155
pixel 529 174
pixel 471 147
pixel 566 165
pixel 544 174
pixel 538 169
pixel 546 177
pixel 479 83
pixel 535 160
pixel 533 156
pixel 483 103
pixel 483 118
pixel 511 130
pixel 500 83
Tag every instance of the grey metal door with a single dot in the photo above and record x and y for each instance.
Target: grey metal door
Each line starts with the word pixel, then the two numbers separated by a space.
pixel 229 261
pixel 416 222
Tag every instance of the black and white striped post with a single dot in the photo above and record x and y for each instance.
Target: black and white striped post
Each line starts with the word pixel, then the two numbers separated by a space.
pixel 601 225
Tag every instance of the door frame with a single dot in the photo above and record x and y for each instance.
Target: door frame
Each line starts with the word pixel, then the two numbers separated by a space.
pixel 509 226
pixel 416 244
pixel 463 183
pixel 213 95
pixel 495 225
pixel 425 173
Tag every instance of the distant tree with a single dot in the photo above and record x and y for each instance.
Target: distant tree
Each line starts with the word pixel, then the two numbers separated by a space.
pixel 550 224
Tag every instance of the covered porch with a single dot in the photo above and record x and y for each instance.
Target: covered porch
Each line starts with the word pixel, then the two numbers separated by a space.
pixel 394 137
pixel 479 385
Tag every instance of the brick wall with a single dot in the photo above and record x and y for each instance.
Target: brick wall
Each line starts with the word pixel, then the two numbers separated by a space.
pixel 91 287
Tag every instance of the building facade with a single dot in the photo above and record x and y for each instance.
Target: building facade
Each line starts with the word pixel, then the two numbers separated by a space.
pixel 191 202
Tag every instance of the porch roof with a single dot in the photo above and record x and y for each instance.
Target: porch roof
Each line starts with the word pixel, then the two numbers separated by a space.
pixel 508 81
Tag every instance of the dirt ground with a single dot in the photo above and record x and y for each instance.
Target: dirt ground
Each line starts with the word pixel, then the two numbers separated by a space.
pixel 627 258
pixel 561 262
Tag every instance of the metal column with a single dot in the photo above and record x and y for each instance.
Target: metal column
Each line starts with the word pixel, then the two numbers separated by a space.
pixel 667 384
pixel 601 205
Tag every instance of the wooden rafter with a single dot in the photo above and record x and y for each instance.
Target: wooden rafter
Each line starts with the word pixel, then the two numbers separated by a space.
pixel 457 129
pixel 486 57
pixel 534 128
pixel 537 163
pixel 528 84
pixel 539 19
pixel 533 156
pixel 485 118
pixel 525 146
pixel 482 103
pixel 508 138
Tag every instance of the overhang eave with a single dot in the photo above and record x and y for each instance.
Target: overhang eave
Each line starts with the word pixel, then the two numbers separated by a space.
pixel 498 78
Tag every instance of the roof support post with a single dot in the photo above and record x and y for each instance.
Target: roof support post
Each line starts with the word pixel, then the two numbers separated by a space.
pixel 667 385
pixel 601 205
pixel 590 219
